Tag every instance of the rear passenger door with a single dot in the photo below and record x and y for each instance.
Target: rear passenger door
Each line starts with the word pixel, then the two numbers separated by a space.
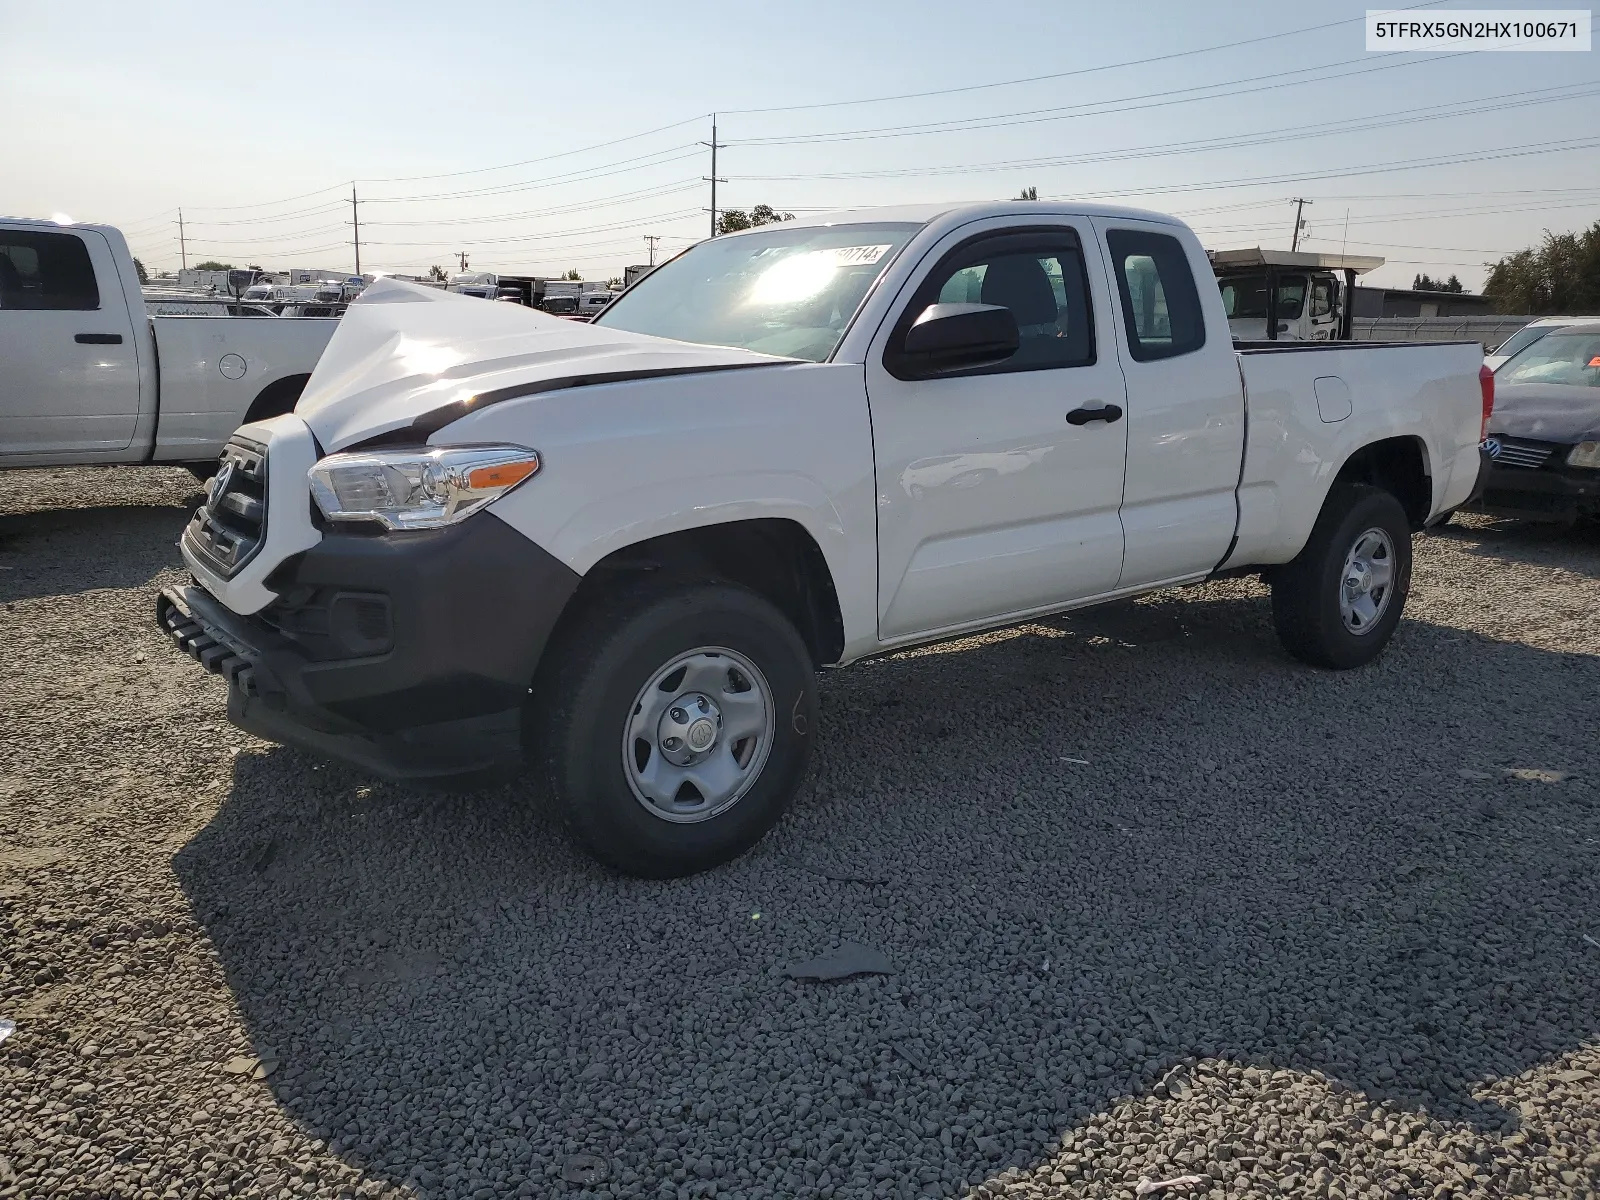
pixel 1185 423
pixel 992 501
pixel 69 371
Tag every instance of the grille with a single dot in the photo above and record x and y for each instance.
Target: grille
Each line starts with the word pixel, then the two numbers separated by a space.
pixel 1518 452
pixel 230 526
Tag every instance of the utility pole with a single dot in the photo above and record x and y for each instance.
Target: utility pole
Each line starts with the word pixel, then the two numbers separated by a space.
pixel 355 214
pixel 1299 223
pixel 650 240
pixel 462 255
pixel 712 178
pixel 183 245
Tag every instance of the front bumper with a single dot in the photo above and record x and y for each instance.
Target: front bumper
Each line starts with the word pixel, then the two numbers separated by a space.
pixel 1555 492
pixel 409 655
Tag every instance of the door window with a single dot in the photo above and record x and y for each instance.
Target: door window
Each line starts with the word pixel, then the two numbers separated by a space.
pixel 1322 298
pixel 1039 277
pixel 46 271
pixel 1159 302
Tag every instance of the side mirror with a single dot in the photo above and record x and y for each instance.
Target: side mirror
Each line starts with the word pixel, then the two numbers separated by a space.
pixel 951 337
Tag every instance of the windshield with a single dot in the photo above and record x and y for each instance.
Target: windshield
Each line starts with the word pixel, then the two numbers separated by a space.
pixel 787 291
pixel 1523 338
pixel 1246 295
pixel 1571 358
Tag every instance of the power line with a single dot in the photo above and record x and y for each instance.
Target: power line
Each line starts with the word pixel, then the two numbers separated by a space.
pixel 1094 108
pixel 1134 62
pixel 578 206
pixel 1227 142
pixel 535 237
pixel 632 137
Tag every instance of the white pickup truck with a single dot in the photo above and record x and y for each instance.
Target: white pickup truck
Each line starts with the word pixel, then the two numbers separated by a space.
pixel 621 550
pixel 89 376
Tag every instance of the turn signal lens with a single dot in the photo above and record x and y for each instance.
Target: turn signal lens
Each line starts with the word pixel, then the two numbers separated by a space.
pixel 502 475
pixel 420 488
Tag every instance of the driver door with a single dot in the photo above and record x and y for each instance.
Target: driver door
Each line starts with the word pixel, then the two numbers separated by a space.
pixel 993 501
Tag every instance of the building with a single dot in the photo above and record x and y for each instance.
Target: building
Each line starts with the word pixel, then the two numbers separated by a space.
pixel 1403 302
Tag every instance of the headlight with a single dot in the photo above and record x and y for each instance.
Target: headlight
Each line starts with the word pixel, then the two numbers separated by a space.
pixel 1584 454
pixel 419 488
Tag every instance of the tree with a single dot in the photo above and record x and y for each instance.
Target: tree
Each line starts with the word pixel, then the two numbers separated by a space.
pixel 573 275
pixel 438 274
pixel 1560 275
pixel 614 283
pixel 211 265
pixel 765 214
pixel 1028 193
pixel 731 220
pixel 1453 284
pixel 139 270
pixel 1424 283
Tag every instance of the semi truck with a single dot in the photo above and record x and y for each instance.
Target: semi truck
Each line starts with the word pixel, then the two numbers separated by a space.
pixel 1307 292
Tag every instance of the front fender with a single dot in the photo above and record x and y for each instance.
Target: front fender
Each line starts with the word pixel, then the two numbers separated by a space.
pixel 630 461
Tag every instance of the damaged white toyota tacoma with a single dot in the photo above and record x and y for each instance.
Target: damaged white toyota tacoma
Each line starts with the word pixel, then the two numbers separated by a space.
pixel 618 552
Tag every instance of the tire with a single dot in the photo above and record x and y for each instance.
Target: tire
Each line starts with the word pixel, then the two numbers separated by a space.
pixel 1307 593
pixel 610 688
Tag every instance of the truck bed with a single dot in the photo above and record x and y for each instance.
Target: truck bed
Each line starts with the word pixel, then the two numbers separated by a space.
pixel 1312 404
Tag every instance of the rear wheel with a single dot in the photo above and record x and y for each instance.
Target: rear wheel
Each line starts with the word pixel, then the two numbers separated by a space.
pixel 674 725
pixel 1339 602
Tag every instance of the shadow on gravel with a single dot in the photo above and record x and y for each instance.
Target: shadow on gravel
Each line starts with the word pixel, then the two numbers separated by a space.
pixel 44 553
pixel 1323 872
pixel 1575 549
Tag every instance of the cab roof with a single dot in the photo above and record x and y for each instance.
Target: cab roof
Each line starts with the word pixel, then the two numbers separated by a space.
pixel 927 214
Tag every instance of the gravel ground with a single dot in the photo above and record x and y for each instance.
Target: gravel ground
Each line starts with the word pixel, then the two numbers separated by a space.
pixel 1158 902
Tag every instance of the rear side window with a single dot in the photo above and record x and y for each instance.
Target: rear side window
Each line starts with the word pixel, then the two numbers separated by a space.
pixel 1159 302
pixel 46 271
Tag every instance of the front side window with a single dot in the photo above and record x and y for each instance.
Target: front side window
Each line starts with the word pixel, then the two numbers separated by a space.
pixel 46 271
pixel 1246 296
pixel 1321 298
pixel 1160 305
pixel 1039 278
pixel 1561 357
pixel 783 290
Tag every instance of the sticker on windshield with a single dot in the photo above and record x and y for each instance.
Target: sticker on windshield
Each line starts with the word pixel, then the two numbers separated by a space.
pixel 854 256
pixel 1595 361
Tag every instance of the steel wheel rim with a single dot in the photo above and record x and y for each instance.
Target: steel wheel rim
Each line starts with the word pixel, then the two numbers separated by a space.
pixel 674 771
pixel 1366 585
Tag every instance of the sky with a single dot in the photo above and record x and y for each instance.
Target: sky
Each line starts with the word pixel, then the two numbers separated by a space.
pixel 539 137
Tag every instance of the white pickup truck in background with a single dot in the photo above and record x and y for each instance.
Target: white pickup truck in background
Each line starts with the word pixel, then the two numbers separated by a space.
pixel 620 550
pixel 88 376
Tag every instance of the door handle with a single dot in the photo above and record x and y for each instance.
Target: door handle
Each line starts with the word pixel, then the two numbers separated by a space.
pixel 1107 413
pixel 98 339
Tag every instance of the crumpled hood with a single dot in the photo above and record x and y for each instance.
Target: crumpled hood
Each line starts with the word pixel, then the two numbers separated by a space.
pixel 411 357
pixel 1547 412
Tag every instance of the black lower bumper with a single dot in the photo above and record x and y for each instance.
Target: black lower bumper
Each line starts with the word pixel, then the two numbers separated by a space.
pixel 409 655
pixel 1551 493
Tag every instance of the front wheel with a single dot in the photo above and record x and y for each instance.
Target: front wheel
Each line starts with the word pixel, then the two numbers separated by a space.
pixel 1339 602
pixel 674 724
